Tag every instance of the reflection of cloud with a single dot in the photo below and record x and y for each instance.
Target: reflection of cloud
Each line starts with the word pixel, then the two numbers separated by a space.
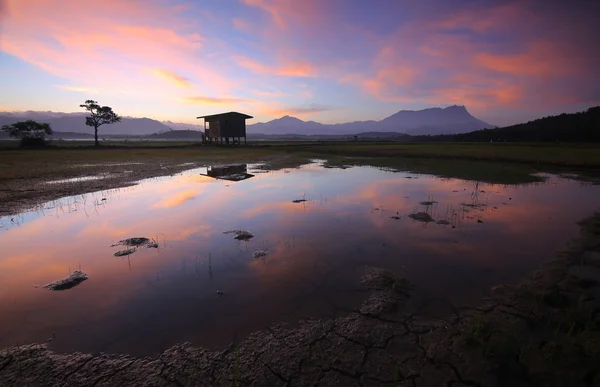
pixel 178 199
pixel 308 245
pixel 282 208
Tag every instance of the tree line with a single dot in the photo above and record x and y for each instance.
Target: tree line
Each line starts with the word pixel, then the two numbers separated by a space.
pixel 575 127
pixel 33 134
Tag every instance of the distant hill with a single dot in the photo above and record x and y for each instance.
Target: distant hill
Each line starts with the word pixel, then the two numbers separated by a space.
pixel 177 135
pixel 75 123
pixel 450 120
pixel 575 127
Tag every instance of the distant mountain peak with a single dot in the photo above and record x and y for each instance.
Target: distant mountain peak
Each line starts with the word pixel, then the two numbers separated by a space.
pixel 289 119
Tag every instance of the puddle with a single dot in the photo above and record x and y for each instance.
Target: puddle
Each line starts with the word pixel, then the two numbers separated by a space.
pixel 208 288
pixel 81 179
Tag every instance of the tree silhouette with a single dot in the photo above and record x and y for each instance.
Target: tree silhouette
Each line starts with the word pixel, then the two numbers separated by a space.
pixel 31 133
pixel 99 115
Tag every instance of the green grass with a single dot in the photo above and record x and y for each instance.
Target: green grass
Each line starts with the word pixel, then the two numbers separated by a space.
pixel 56 162
pixel 572 155
pixel 501 163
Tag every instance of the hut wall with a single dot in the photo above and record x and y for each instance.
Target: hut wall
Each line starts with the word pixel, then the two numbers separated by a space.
pixel 214 128
pixel 233 126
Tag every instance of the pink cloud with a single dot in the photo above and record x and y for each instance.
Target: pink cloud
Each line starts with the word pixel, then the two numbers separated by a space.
pixel 113 43
pixel 215 101
pixel 172 77
pixel 286 69
pixel 453 60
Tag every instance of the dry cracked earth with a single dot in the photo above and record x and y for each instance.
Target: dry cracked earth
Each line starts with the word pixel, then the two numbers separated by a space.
pixel 542 332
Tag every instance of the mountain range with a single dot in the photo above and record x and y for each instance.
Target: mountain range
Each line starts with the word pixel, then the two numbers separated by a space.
pixel 450 120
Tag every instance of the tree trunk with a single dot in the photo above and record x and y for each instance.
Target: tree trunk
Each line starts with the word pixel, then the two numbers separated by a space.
pixel 96 143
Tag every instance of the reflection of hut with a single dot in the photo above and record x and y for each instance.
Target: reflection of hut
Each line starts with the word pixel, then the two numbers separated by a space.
pixel 225 126
pixel 232 172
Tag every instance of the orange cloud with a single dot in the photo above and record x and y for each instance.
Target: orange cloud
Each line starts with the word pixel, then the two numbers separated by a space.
pixel 490 57
pixel 172 77
pixel 113 43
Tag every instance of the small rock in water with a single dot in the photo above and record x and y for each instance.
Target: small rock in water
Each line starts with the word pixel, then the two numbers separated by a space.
pixel 444 222
pixel 73 279
pixel 298 200
pixel 421 217
pixel 428 203
pixel 394 217
pixel 122 253
pixel 479 221
pixel 241 235
pixel 259 253
pixel 220 293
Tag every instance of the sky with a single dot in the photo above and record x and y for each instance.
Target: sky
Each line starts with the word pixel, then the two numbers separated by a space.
pixel 329 61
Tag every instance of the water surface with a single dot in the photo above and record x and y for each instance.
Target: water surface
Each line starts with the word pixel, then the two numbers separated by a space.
pixel 144 303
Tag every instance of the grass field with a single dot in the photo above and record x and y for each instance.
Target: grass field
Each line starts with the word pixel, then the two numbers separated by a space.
pixel 59 162
pixel 570 155
pixel 498 162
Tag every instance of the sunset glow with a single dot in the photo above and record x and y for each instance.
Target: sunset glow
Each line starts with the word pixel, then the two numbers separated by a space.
pixel 328 61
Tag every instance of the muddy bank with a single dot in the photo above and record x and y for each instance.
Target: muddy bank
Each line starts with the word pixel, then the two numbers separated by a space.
pixel 542 332
pixel 25 192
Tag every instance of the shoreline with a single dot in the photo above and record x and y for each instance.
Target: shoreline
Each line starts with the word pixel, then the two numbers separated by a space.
pixel 544 331
pixel 22 194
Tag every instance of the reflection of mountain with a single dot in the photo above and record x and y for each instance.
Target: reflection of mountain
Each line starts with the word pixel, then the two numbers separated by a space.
pixel 232 172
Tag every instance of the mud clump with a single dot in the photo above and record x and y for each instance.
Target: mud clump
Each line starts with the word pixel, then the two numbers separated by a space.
pixel 381 279
pixel 241 235
pixel 135 242
pixel 421 217
pixel 259 254
pixel 70 281
pixel 123 253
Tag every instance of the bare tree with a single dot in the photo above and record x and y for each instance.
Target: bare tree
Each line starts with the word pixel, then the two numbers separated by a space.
pixel 99 115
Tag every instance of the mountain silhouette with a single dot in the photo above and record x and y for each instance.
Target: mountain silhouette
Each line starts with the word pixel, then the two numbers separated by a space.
pixel 450 120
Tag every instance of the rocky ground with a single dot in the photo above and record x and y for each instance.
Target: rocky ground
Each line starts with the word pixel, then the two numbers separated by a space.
pixel 543 332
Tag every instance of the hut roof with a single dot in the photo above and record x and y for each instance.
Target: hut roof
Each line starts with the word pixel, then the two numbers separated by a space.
pixel 245 116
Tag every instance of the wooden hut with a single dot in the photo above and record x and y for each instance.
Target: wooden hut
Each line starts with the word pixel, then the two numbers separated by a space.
pixel 231 125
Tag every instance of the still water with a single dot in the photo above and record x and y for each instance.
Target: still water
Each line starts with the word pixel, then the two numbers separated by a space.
pixel 203 286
